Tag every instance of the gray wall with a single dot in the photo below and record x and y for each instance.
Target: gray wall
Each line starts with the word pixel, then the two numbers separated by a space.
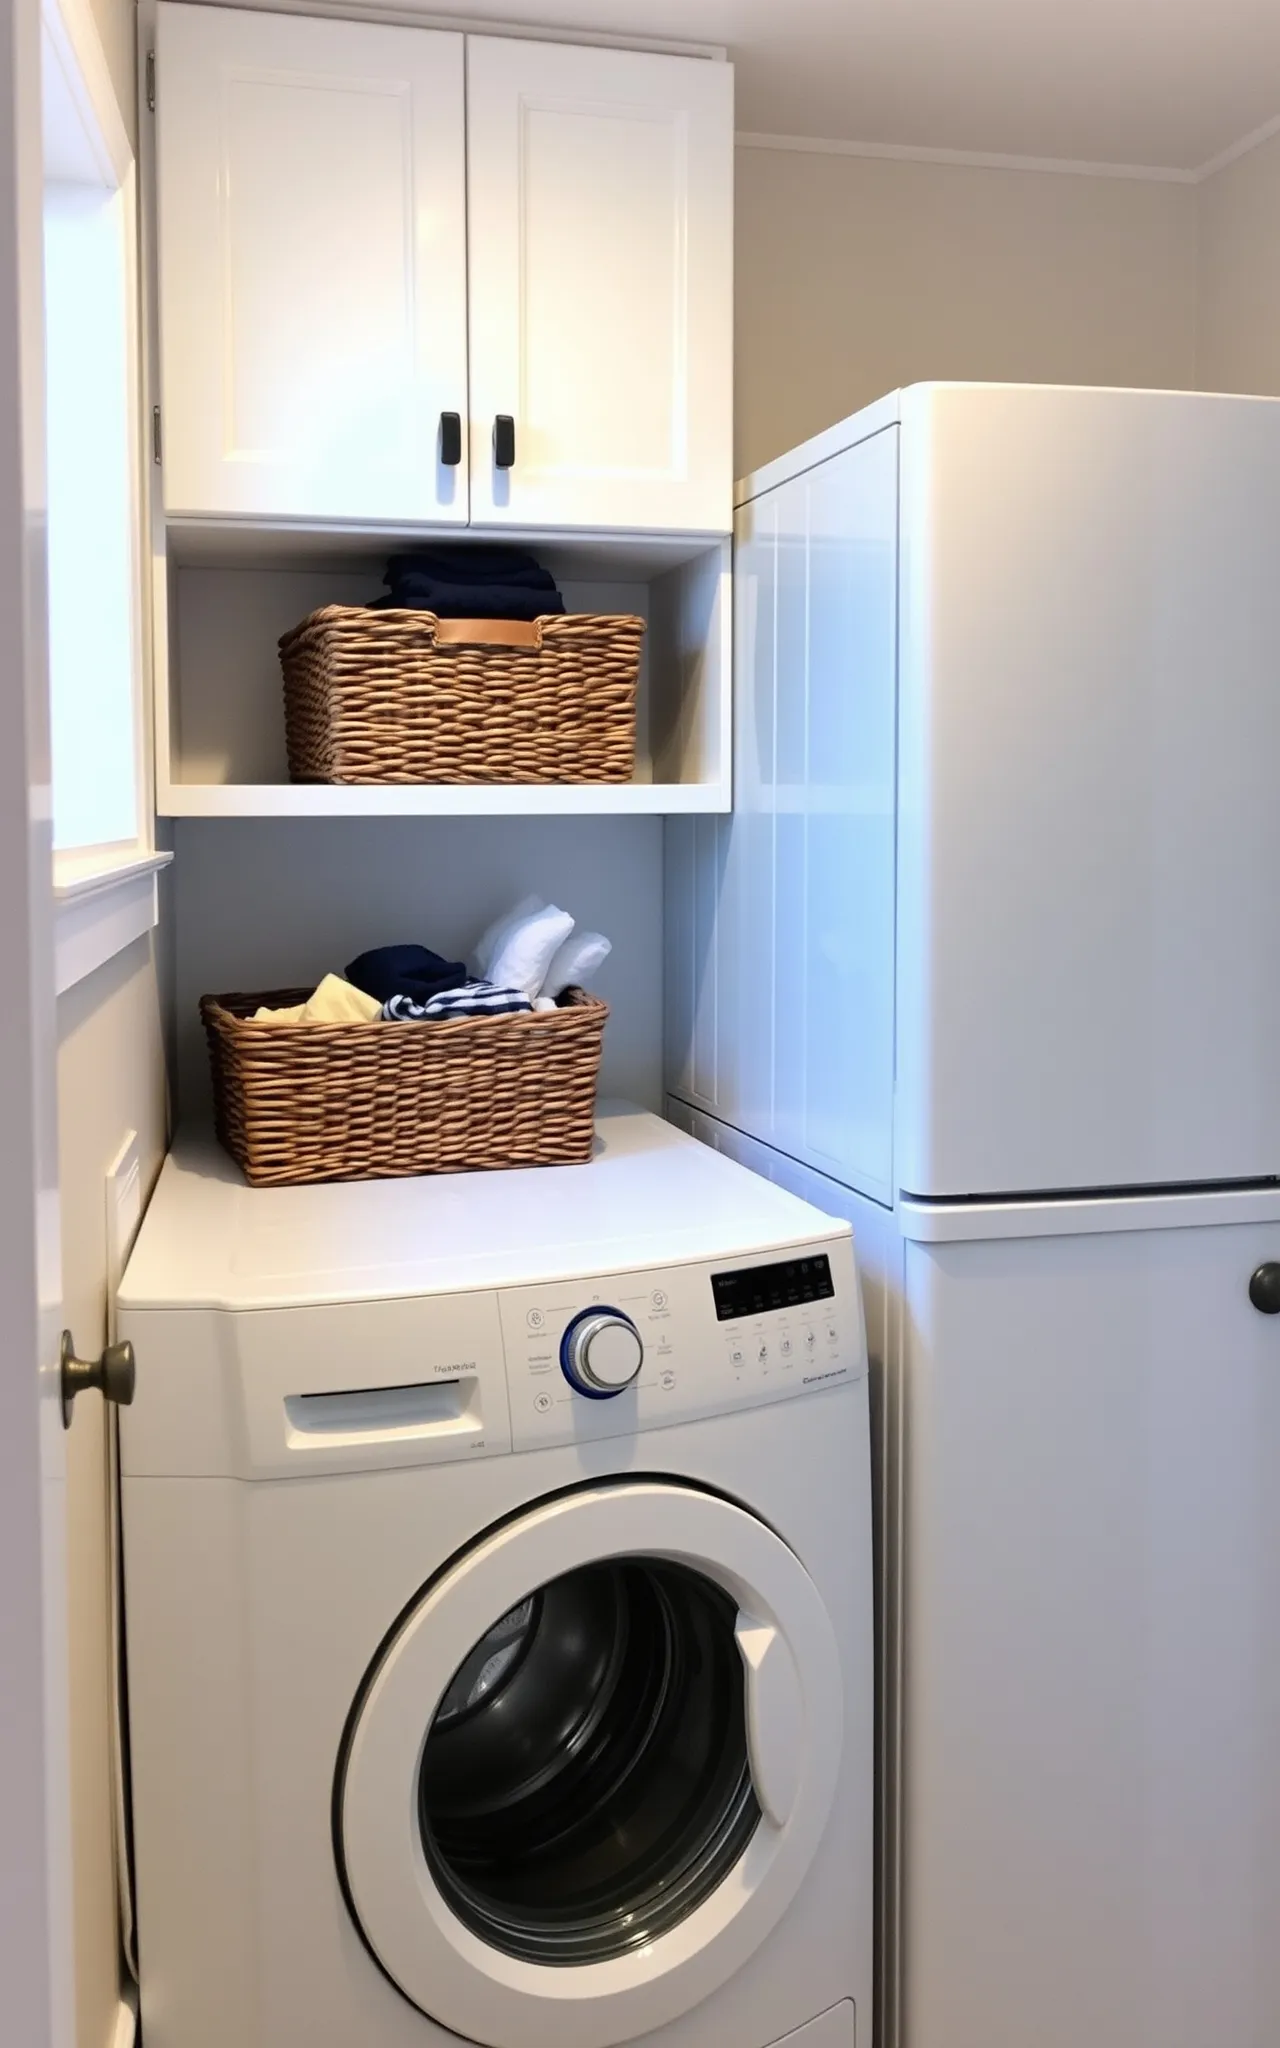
pixel 272 902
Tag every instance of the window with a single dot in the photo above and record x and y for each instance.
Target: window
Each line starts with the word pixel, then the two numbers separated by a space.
pixel 92 560
pixel 104 858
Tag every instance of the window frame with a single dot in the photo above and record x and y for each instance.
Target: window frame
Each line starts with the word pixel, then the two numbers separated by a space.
pixel 105 896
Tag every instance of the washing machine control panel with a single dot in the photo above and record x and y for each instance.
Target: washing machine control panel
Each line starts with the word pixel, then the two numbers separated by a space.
pixel 614 1353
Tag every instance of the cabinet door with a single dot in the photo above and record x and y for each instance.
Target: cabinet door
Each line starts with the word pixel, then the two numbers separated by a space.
pixel 1092 1653
pixel 312 250
pixel 600 188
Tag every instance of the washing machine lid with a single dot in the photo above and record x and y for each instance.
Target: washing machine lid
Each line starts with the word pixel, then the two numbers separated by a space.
pixel 650 1196
pixel 590 1885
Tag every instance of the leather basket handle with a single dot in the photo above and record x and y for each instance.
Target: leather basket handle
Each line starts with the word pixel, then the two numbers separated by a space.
pixel 488 633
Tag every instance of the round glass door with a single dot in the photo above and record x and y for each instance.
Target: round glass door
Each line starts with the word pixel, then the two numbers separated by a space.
pixel 573 1797
pixel 585 1783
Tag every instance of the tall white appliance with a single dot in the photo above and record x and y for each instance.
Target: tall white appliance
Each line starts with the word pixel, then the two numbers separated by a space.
pixel 988 959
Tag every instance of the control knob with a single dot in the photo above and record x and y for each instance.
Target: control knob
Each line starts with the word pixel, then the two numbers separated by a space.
pixel 601 1353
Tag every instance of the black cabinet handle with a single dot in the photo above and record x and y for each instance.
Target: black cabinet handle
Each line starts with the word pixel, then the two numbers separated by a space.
pixel 1264 1288
pixel 451 439
pixel 504 442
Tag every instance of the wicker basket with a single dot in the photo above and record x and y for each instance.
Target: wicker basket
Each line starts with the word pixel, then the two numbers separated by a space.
pixel 400 696
pixel 312 1102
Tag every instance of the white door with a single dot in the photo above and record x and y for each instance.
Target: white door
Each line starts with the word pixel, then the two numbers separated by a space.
pixel 1088 946
pixel 35 1885
pixel 664 1719
pixel 600 195
pixel 1092 1650
pixel 312 264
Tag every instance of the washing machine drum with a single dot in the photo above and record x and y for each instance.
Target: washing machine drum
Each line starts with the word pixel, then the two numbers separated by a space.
pixel 590 1766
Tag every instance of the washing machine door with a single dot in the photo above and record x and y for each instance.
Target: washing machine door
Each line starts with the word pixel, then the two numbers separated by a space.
pixel 589 1768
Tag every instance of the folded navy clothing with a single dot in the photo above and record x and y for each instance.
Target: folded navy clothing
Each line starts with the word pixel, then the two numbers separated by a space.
pixel 479 581
pixel 412 971
pixel 472 562
pixel 473 999
pixel 470 600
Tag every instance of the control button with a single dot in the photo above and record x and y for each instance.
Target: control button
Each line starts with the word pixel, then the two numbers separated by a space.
pixel 667 1380
pixel 763 1354
pixel 735 1356
pixel 785 1347
pixel 601 1353
pixel 809 1340
pixel 542 1402
pixel 536 1320
pixel 659 1298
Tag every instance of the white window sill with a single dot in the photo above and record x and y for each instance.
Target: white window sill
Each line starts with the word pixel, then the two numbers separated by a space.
pixel 100 907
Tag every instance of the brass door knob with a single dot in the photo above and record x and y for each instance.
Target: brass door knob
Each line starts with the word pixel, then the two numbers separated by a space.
pixel 114 1374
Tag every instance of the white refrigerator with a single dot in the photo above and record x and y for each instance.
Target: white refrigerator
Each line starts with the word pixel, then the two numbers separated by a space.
pixel 987 958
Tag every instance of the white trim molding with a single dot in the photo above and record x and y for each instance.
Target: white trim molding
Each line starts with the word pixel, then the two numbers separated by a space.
pixel 101 910
pixel 1245 147
pixel 401 16
pixel 973 159
pixel 993 160
pixel 86 92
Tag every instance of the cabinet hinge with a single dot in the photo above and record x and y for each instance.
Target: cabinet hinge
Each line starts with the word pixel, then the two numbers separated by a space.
pixel 151 82
pixel 155 433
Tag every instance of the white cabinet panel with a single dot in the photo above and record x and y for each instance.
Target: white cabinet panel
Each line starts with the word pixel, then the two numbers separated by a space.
pixel 677 955
pixel 600 242
pixel 801 882
pixel 748 919
pixel 1090 726
pixel 312 266
pixel 1092 1656
pixel 833 804
pixel 849 805
pixel 719 944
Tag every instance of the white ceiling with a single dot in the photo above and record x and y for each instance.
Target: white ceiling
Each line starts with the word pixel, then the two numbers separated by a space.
pixel 1162 83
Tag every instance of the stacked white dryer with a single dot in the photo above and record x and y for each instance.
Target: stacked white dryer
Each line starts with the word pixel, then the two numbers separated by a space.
pixel 988 957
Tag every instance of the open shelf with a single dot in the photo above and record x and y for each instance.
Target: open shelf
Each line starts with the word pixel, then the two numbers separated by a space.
pixel 225 593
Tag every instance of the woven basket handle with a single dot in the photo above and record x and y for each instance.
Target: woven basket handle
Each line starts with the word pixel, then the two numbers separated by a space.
pixel 488 633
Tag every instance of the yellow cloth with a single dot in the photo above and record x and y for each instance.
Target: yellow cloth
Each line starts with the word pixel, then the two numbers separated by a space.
pixel 334 1002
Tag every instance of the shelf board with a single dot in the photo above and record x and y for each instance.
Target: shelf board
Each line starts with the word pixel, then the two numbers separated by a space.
pixel 590 556
pixel 440 800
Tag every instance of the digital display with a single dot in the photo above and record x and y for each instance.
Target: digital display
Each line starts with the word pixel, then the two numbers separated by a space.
pixel 756 1289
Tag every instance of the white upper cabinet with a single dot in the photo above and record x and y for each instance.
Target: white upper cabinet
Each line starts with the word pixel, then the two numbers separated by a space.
pixel 342 204
pixel 600 189
pixel 313 319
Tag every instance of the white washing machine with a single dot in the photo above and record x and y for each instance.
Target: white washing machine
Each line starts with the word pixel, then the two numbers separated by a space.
pixel 499 1609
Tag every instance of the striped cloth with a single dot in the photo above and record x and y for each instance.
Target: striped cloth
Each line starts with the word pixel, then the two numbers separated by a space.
pixel 472 999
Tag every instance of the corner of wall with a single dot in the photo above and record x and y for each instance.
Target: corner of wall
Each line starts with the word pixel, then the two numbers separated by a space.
pixel 1238 273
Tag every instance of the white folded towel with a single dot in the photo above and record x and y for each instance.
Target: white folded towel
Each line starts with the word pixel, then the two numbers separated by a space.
pixel 518 950
pixel 575 962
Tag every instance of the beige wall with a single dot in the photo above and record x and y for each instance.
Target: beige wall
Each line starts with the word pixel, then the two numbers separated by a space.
pixel 857 274
pixel 1239 295
pixel 110 1081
